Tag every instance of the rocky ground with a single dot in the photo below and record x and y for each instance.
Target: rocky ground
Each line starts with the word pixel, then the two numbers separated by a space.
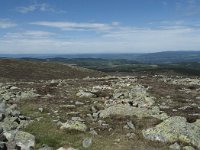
pixel 135 112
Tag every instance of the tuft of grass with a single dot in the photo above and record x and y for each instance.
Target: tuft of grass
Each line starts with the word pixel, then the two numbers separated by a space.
pixel 46 132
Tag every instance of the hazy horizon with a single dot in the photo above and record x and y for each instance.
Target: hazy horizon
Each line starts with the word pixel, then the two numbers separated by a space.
pixel 92 26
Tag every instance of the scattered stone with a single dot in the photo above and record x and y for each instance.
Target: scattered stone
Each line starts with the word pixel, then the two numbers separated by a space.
pixel 93 109
pixel 66 148
pixel 2 107
pixel 130 125
pixel 110 129
pixel 27 95
pixel 198 98
pixel 87 142
pixel 14 88
pixel 175 146
pixel 46 147
pixel 77 119
pixel 74 125
pixel 2 116
pixel 41 109
pixel 117 140
pixel 93 132
pixel 82 93
pixel 67 106
pixel 79 103
pixel 130 135
pixel 95 115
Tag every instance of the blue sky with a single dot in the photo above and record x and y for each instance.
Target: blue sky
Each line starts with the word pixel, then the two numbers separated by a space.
pixel 98 26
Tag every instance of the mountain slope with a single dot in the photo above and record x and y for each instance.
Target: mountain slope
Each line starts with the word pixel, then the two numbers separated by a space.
pixel 36 70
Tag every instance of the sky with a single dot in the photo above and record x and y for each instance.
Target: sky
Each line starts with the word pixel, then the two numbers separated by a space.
pixel 98 26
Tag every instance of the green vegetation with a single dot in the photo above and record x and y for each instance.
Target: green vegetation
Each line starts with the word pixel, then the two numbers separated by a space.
pixel 122 65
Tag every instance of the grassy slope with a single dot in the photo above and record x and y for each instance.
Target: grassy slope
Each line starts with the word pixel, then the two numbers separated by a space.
pixel 34 70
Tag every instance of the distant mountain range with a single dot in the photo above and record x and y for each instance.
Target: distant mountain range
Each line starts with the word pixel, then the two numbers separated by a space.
pixel 153 58
pixel 170 57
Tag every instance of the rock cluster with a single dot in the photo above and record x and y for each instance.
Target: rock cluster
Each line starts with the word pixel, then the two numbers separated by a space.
pixel 11 120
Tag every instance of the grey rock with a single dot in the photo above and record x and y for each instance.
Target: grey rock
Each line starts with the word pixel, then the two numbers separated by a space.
pixel 74 125
pixel 9 123
pixel 3 146
pixel 130 135
pixel 82 93
pixel 11 145
pixel 77 119
pixel 79 103
pixel 93 109
pixel 1 130
pixel 27 95
pixel 45 147
pixel 95 115
pixel 24 140
pixel 87 142
pixel 127 110
pixel 175 129
pixel 93 132
pixel 175 146
pixel 67 148
pixel 68 106
pixel 2 107
pixel 100 122
pixel 41 109
pixel 6 96
pixel 130 125
pixel 2 116
pixel 14 88
pixel 117 95
pixel 15 113
pixel 188 148
pixel 2 137
pixel 9 135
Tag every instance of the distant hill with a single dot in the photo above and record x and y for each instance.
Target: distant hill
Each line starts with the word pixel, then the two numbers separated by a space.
pixel 37 70
pixel 152 58
pixel 170 57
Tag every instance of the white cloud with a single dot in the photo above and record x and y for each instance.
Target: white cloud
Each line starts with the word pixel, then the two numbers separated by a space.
pixel 78 26
pixel 5 23
pixel 28 35
pixel 42 7
pixel 122 39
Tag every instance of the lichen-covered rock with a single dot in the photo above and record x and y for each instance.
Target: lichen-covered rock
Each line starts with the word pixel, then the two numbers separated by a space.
pixel 188 148
pixel 74 125
pixel 2 107
pixel 67 148
pixel 175 146
pixel 24 140
pixel 87 142
pixel 137 94
pixel 175 129
pixel 9 123
pixel 127 110
pixel 82 93
pixel 27 95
